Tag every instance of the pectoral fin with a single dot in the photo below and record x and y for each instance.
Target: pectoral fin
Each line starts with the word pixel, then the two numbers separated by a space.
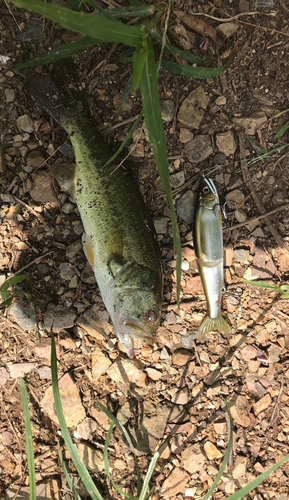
pixel 64 174
pixel 88 248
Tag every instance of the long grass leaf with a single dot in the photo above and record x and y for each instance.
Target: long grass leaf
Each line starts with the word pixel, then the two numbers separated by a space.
pixel 281 130
pixel 13 281
pixel 195 72
pixel 262 284
pixel 268 153
pixel 68 478
pixel 154 123
pixel 259 479
pixel 139 59
pixel 64 50
pixel 129 135
pixel 170 49
pixel 72 448
pixel 258 149
pixel 95 26
pixel 29 443
pixel 131 12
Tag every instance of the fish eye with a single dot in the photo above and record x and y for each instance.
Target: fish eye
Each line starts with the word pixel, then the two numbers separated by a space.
pixel 150 317
pixel 206 190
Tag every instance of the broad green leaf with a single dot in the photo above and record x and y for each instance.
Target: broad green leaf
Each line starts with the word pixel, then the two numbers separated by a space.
pixel 68 478
pixel 195 72
pixel 259 479
pixel 29 443
pixel 131 12
pixel 259 150
pixel 154 123
pixel 72 448
pixel 129 135
pixel 281 130
pixel 284 287
pixel 187 56
pixel 140 55
pixel 95 26
pixel 61 52
pixel 13 281
pixel 5 294
pixel 6 303
pixel 262 284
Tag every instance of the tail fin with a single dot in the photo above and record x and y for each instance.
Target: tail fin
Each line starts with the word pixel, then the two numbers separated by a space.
pixel 210 324
pixel 59 94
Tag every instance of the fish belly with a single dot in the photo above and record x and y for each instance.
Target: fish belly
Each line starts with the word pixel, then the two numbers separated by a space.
pixel 212 279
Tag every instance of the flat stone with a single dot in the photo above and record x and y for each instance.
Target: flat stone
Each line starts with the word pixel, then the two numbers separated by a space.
pixel 168 110
pixel 250 123
pixel 23 314
pixel 221 100
pixel 125 411
pixel 58 317
pixel 185 206
pixel 177 179
pixel 137 150
pixel 188 254
pixel 240 467
pixel 219 159
pixel 191 111
pixel 238 405
pixel 148 434
pixel 242 217
pixel 262 404
pixel 181 357
pixel 181 397
pixel 92 457
pixel 193 285
pixel 9 95
pixel 43 349
pixel 70 400
pixel 73 249
pixel 35 159
pixel 274 353
pixel 25 124
pixel 99 363
pixel 68 208
pixel 226 143
pixel 175 483
pixel 73 282
pixel 100 417
pixel 161 225
pixel 154 374
pixel 193 458
pixel 249 352
pixel 241 254
pixel 237 196
pixel 86 428
pixel 42 190
pixel 32 32
pixel 47 490
pixel 66 271
pixel 185 135
pixel 128 372
pixel 212 451
pixel 283 263
pixel 199 148
pixel 21 369
pixel 220 428
pixel 228 29
pixel 4 376
pixel 44 373
pixel 121 104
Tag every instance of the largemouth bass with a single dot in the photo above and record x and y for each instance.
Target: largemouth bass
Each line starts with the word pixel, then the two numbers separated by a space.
pixel 208 240
pixel 119 241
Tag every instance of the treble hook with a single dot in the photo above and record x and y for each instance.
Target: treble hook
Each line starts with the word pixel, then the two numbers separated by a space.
pixel 237 297
pixel 225 221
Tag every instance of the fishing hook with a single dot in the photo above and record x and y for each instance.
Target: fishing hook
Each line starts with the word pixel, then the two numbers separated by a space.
pixel 225 221
pixel 237 297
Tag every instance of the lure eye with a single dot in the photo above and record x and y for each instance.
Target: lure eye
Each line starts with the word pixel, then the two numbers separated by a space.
pixel 150 317
pixel 206 190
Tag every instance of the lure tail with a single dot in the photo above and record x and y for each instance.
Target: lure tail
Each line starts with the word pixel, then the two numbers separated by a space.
pixel 210 324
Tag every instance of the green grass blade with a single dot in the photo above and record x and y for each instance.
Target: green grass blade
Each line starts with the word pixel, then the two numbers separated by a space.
pixel 75 4
pixel 106 465
pixel 258 158
pixel 259 150
pixel 127 89
pixel 64 50
pixel 285 294
pixel 129 135
pixel 154 123
pixel 68 478
pixel 6 303
pixel 145 489
pixel 29 443
pixel 72 448
pixel 126 436
pixel 95 26
pixel 262 284
pixel 140 55
pixel 259 479
pixel 181 69
pixel 131 12
pixel 13 281
pixel 169 49
pixel 281 130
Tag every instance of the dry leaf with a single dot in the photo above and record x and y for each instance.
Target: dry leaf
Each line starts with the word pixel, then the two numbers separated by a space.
pixel 196 24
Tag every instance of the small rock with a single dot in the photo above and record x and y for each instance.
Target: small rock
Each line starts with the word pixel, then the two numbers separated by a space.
pixel 221 100
pixel 25 124
pixel 73 282
pixel 177 179
pixel 43 349
pixel 44 373
pixel 181 397
pixel 99 363
pixel 100 417
pixel 168 110
pixel 262 404
pixel 161 225
pixel 73 249
pixel 238 405
pixel 70 400
pixel 249 352
pixel 68 208
pixel 274 353
pixel 175 483
pixel 181 357
pixel 226 143
pixel 127 372
pixel 219 159
pixel 92 457
pixel 237 196
pixel 58 318
pixel 24 315
pixel 21 369
pixel 250 123
pixel 86 428
pixel 240 467
pixel 193 285
pixel 7 438
pixel 191 111
pixel 185 206
pixel 199 148
pixel 35 159
pixel 122 105
pixel 242 217
pixel 66 271
pixel 124 413
pixel 220 428
pixel 228 29
pixel 241 254
pixel 4 376
pixel 149 432
pixel 193 458
pixel 7 198
pixel 185 135
pixel 154 374
pixel 42 191
pixel 283 263
pixel 32 32
pixel 9 95
pixel 185 266
pixel 137 150
pixel 258 233
pixel 212 451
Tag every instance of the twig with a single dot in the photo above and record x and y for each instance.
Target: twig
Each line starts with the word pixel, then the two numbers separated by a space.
pixel 129 153
pixel 32 262
pixel 284 6
pixel 30 210
pixel 10 11
pixel 253 219
pixel 248 180
pixel 45 161
pixel 110 52
pixel 107 130
pixel 196 353
pixel 229 19
pixel 101 445
pixel 228 422
pixel 277 402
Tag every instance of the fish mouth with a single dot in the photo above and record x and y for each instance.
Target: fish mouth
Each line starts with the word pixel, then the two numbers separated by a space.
pixel 136 328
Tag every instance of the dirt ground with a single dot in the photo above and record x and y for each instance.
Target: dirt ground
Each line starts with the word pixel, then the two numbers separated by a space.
pixel 170 387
